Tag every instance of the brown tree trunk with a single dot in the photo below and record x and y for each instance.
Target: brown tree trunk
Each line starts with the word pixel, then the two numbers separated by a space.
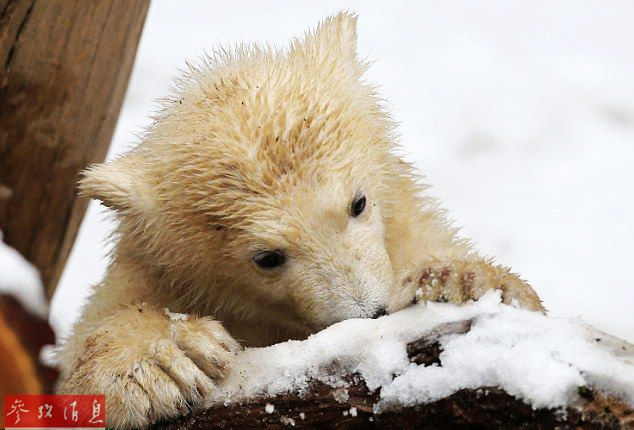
pixel 64 68
pixel 325 407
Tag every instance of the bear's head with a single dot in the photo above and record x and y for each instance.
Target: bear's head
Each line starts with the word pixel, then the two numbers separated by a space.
pixel 267 176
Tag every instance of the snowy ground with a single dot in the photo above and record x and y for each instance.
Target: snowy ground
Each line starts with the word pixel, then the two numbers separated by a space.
pixel 520 114
pixel 541 360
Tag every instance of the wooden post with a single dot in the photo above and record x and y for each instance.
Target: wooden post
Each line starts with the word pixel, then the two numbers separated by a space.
pixel 64 68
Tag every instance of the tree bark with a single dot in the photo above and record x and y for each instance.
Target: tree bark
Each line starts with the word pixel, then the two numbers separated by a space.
pixel 64 68
pixel 325 407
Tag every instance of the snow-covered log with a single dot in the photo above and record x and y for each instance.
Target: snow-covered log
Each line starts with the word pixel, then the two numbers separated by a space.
pixel 481 365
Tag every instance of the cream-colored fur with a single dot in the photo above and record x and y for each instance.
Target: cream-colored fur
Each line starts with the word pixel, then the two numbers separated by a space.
pixel 258 150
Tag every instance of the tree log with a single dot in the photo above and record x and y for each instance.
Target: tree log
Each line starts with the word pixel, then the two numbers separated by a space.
pixel 325 407
pixel 64 68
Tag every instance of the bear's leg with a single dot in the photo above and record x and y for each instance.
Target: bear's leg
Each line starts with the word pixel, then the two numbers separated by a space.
pixel 149 363
pixel 458 281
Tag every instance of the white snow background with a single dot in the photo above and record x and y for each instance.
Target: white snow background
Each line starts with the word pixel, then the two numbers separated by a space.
pixel 520 114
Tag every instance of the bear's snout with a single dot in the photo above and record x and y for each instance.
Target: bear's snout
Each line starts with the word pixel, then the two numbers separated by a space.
pixel 380 311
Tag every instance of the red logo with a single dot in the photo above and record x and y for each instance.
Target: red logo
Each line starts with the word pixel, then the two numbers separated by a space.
pixel 54 411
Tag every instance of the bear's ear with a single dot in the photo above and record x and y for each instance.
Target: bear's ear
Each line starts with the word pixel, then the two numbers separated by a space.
pixel 334 39
pixel 120 184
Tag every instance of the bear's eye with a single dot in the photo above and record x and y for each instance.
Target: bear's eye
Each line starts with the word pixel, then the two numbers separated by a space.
pixel 358 204
pixel 269 259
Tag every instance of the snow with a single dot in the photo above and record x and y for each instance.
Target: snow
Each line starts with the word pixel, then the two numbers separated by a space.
pixel 341 395
pixel 540 359
pixel 520 114
pixel 287 421
pixel 20 279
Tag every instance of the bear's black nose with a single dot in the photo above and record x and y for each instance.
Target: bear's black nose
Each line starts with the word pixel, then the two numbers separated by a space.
pixel 382 310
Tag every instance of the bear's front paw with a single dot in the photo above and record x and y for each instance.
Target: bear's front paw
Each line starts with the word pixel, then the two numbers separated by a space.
pixel 458 281
pixel 152 367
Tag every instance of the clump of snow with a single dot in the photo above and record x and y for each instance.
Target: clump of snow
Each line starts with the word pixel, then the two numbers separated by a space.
pixel 20 279
pixel 539 359
pixel 269 408
pixel 48 356
pixel 341 395
pixel 287 421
